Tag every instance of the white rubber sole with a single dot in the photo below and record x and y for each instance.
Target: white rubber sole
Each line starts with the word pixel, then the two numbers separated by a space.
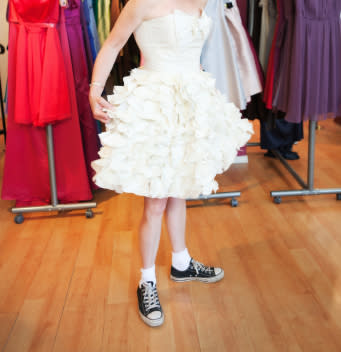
pixel 152 322
pixel 201 279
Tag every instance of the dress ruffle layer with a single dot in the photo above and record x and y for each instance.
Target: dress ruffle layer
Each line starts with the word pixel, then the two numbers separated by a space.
pixel 169 136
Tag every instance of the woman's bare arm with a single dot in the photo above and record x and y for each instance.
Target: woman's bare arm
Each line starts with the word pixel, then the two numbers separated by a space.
pixel 130 18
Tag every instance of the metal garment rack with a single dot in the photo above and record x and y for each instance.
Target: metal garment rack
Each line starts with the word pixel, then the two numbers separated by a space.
pixel 54 206
pixel 3 131
pixel 307 188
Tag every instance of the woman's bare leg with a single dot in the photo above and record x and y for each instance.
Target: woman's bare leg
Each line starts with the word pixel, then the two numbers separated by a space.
pixel 176 223
pixel 150 229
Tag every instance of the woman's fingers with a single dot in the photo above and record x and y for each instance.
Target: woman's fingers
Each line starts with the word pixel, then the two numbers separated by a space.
pixel 101 116
pixel 99 105
pixel 101 101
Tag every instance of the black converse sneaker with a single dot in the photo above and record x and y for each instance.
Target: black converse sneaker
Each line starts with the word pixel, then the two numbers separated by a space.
pixel 149 305
pixel 197 272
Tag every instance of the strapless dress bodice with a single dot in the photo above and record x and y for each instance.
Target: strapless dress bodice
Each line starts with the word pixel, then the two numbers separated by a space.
pixel 173 43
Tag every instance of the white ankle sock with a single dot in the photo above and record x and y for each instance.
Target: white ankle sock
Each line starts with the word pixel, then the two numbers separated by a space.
pixel 181 260
pixel 148 275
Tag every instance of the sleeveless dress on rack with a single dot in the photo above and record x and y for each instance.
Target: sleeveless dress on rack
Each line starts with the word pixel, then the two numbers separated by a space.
pixel 171 131
pixel 309 82
pixel 38 39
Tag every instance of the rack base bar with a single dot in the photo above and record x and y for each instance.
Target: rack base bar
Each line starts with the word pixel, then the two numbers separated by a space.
pixel 59 207
pixel 306 192
pixel 220 195
pixel 290 169
pixel 253 144
pixel 217 196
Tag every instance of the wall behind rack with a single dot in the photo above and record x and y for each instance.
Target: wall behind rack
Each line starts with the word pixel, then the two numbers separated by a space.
pixel 3 44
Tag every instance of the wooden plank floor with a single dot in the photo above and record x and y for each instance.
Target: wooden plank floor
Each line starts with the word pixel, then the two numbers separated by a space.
pixel 68 283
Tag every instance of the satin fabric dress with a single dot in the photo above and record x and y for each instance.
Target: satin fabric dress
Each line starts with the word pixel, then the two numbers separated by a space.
pixel 243 9
pixel 92 28
pixel 86 39
pixel 246 62
pixel 309 85
pixel 39 71
pixel 26 173
pixel 269 13
pixel 81 77
pixel 102 16
pixel 273 59
pixel 219 55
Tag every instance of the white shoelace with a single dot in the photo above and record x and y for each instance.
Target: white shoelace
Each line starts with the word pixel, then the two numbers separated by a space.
pixel 150 297
pixel 200 267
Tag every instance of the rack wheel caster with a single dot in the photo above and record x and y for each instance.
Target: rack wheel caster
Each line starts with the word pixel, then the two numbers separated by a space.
pixel 338 196
pixel 19 219
pixel 234 203
pixel 277 200
pixel 89 214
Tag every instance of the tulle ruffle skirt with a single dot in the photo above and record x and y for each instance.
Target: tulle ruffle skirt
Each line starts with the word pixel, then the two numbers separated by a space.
pixel 170 134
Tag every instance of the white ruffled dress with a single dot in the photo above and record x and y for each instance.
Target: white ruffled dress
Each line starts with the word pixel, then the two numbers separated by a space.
pixel 171 131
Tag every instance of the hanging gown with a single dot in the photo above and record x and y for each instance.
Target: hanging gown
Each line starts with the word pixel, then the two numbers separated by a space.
pixel 26 173
pixel 277 133
pixel 247 66
pixel 86 38
pixel 171 131
pixel 81 77
pixel 102 16
pixel 92 28
pixel 273 59
pixel 219 58
pixel 39 66
pixel 310 79
pixel 243 9
pixel 268 24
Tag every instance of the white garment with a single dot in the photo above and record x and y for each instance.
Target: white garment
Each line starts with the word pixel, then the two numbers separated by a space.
pixel 246 62
pixel 219 56
pixel 171 131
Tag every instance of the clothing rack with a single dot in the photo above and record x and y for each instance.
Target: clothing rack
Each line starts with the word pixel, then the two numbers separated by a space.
pixel 307 188
pixel 3 131
pixel 54 206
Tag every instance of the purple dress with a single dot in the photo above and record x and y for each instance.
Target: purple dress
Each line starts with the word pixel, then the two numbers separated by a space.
pixel 81 76
pixel 309 86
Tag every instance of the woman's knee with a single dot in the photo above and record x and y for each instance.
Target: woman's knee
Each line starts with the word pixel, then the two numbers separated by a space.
pixel 154 207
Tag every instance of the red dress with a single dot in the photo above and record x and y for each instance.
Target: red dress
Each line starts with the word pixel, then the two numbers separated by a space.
pixel 41 88
pixel 39 77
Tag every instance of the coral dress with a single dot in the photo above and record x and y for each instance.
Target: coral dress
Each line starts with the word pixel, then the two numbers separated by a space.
pixel 171 130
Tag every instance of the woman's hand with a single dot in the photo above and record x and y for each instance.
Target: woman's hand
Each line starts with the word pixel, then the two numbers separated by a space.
pixel 98 104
